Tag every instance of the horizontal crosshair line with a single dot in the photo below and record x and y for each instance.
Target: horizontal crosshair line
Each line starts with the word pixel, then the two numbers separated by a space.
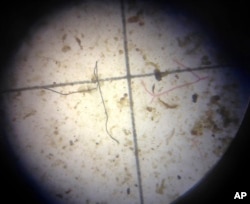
pixel 55 85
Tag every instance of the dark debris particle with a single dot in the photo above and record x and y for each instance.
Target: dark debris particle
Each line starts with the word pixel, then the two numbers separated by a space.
pixel 128 191
pixel 153 88
pixel 214 99
pixel 226 116
pixel 66 48
pixel 64 36
pixel 195 97
pixel 141 23
pixel 179 177
pixel 68 191
pixel 133 19
pixel 158 75
pixel 149 109
pixel 59 195
pixel 205 60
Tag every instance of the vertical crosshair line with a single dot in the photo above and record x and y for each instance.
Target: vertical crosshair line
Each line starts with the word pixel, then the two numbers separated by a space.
pixel 125 43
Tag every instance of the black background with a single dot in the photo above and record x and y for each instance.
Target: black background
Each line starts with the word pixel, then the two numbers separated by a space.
pixel 229 23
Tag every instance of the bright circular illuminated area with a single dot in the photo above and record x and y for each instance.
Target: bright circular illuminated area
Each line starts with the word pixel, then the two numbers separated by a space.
pixel 120 103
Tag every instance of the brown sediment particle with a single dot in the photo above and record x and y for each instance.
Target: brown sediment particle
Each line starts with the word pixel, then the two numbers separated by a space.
pixel 84 89
pixel 153 88
pixel 66 48
pixel 32 112
pixel 79 42
pixel 42 92
pixel 126 132
pixel 141 23
pixel 197 129
pixel 138 18
pixel 64 36
pixel 123 102
pixel 160 188
pixel 169 137
pixel 166 105
pixel 134 19
pixel 226 116
pixel 155 65
pixel 93 78
pixel 214 99
pixel 149 109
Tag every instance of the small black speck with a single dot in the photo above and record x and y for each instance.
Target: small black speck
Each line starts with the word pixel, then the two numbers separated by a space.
pixel 179 177
pixel 71 142
pixel 157 74
pixel 128 191
pixel 195 97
